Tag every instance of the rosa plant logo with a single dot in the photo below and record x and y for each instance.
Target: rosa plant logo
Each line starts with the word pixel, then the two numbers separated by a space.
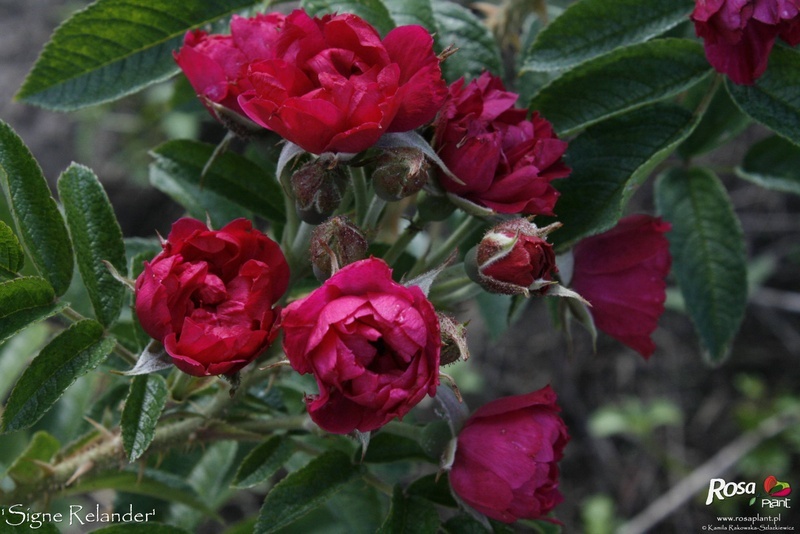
pixel 776 488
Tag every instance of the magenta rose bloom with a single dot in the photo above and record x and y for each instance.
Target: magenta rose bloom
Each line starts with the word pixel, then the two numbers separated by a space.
pixel 506 463
pixel 332 85
pixel 512 257
pixel 372 344
pixel 209 295
pixel 739 34
pixel 216 65
pixel 505 160
pixel 621 273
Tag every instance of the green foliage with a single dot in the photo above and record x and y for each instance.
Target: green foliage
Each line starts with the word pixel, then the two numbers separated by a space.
pixel 477 48
pixel 40 450
pixel 419 12
pixel 591 28
pixel 38 221
pixel 140 528
pixel 634 417
pixel 263 462
pixel 114 48
pixel 623 80
pixel 143 407
pixel 708 254
pixel 410 515
pixel 721 122
pixel 304 490
pixel 97 237
pixel 773 163
pixel 73 353
pixel 774 100
pixel 609 161
pixel 24 301
pixel 373 11
pixel 12 257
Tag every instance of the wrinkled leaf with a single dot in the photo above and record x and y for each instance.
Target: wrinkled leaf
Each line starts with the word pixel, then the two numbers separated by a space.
pixel 419 12
pixel 41 448
pixel 143 406
pixel 114 48
pixel 773 163
pixel 12 257
pixel 621 81
pixel 97 237
pixel 232 176
pixel 708 256
pixel 39 223
pixel 73 353
pixel 304 490
pixel 720 124
pixel 24 301
pixel 609 161
pixel 477 48
pixel 774 100
pixel 591 28
pixel 410 515
pixel 263 462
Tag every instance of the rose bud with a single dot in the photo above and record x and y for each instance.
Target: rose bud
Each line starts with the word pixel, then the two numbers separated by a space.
pixel 335 243
pixel 621 273
pixel 513 258
pixel 372 345
pixel 739 34
pixel 504 160
pixel 209 295
pixel 506 461
pixel 318 189
pixel 331 84
pixel 400 173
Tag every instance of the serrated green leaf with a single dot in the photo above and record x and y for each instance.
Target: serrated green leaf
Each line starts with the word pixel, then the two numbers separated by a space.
pixel 477 48
pixel 74 352
pixel 140 528
pixel 304 490
pixel 620 81
pixel 591 28
pixel 41 448
pixel 12 257
pixel 24 301
pixel 97 237
pixel 708 256
pixel 773 163
pixel 114 48
pixel 721 122
pixel 142 482
pixel 145 402
pixel 231 176
pixel 263 462
pixel 39 223
pixel 410 515
pixel 373 11
pixel 405 12
pixel 774 100
pixel 609 161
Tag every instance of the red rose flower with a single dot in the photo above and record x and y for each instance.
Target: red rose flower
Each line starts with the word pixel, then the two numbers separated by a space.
pixel 372 344
pixel 332 85
pixel 208 295
pixel 512 257
pixel 216 65
pixel 739 34
pixel 505 160
pixel 621 273
pixel 506 462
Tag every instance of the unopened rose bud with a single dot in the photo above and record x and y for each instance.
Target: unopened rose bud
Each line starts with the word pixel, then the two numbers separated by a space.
pixel 318 188
pixel 400 173
pixel 513 258
pixel 454 340
pixel 335 243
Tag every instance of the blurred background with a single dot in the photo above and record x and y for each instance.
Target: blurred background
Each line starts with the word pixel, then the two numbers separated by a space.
pixel 638 427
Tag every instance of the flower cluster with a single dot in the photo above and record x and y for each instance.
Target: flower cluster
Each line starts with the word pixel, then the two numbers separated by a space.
pixel 739 34
pixel 373 344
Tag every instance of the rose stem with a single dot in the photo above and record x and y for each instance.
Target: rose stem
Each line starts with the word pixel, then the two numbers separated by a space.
pixel 359 179
pixel 402 241
pixel 440 253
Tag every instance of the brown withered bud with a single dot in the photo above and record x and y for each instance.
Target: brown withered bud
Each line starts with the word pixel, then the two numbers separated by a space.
pixel 454 340
pixel 318 187
pixel 335 243
pixel 400 172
